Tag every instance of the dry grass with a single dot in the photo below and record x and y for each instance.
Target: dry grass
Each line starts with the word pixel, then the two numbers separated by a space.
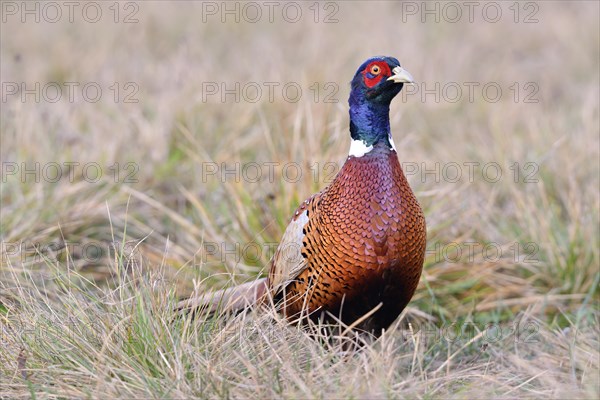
pixel 95 321
pixel 127 344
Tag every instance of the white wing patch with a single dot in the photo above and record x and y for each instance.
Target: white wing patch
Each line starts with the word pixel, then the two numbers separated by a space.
pixel 288 261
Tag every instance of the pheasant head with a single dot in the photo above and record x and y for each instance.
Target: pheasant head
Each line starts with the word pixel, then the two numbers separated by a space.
pixel 377 81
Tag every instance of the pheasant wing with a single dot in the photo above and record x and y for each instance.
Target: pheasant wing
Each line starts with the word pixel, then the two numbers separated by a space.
pixel 288 261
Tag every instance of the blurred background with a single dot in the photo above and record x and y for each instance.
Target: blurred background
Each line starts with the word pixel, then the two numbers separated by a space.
pixel 180 139
pixel 202 126
pixel 166 119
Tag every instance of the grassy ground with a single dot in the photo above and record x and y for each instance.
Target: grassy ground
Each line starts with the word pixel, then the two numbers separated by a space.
pixel 92 265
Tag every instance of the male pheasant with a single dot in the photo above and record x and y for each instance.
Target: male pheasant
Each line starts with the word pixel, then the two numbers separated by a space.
pixel 358 246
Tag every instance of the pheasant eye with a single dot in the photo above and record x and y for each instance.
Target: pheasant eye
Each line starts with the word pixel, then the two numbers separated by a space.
pixel 375 70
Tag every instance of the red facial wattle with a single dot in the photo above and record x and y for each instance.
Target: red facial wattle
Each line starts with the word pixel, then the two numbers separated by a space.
pixel 375 72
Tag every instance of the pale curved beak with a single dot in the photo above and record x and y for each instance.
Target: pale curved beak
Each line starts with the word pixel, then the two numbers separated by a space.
pixel 400 75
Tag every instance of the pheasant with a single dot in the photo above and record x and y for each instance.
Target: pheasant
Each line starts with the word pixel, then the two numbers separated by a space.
pixel 354 251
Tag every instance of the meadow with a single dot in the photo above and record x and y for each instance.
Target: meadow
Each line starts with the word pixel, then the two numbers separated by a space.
pixel 153 151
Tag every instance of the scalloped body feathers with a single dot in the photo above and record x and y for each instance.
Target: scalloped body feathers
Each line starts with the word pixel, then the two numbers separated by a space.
pixel 362 247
